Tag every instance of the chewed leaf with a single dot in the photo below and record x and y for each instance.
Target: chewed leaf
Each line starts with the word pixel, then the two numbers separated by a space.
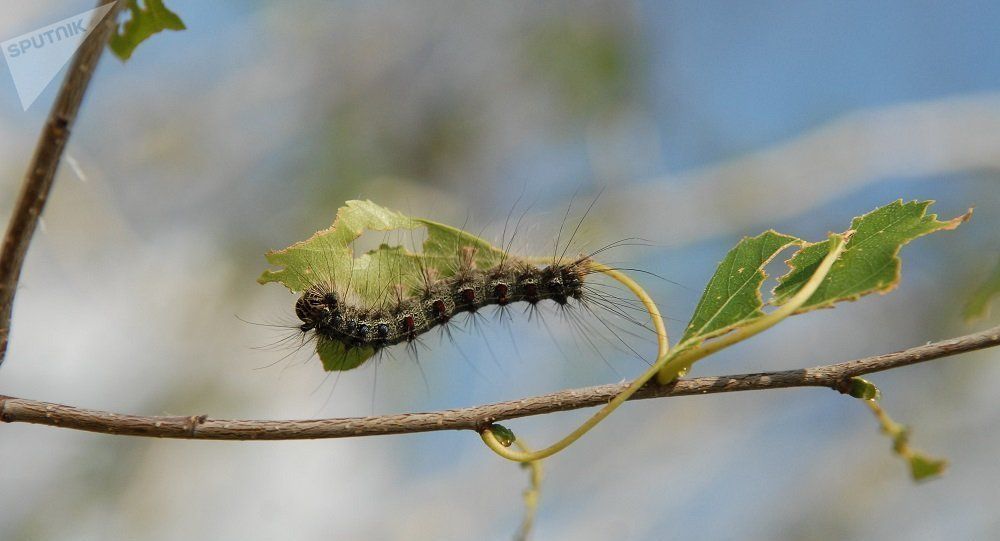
pixel 978 305
pixel 869 263
pixel 732 297
pixel 444 241
pixel 144 22
pixel 328 258
pixel 356 217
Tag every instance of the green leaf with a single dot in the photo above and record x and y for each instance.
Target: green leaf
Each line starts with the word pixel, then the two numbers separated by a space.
pixel 869 263
pixel 143 23
pixel 732 297
pixel 978 305
pixel 925 467
pixel 328 258
pixel 336 357
pixel 444 241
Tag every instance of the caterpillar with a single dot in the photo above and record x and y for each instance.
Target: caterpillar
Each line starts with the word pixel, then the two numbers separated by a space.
pixel 353 308
pixel 324 311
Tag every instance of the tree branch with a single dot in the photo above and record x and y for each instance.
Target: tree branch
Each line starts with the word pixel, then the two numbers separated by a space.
pixel 44 163
pixel 834 376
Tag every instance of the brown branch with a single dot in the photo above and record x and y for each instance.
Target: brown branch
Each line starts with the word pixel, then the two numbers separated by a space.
pixel 44 163
pixel 834 376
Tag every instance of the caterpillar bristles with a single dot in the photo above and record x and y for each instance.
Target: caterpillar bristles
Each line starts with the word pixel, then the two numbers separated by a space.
pixel 323 311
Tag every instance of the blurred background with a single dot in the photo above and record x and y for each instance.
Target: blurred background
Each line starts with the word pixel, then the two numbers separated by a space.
pixel 701 121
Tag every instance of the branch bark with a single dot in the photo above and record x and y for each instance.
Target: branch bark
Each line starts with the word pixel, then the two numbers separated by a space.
pixel 834 376
pixel 42 169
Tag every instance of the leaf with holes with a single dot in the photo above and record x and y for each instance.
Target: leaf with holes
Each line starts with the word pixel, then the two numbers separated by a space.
pixel 870 262
pixel 328 256
pixel 732 297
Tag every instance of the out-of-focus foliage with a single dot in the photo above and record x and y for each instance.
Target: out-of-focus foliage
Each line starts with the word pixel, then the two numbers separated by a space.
pixel 587 64
pixel 144 22
pixel 922 466
pixel 978 305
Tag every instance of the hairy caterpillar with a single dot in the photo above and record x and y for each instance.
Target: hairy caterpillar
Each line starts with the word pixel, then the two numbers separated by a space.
pixel 355 307
pixel 322 310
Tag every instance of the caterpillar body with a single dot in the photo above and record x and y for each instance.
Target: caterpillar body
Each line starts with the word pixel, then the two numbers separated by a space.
pixel 323 310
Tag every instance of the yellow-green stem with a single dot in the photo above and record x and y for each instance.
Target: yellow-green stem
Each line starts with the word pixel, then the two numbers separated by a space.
pixel 663 345
pixel 531 495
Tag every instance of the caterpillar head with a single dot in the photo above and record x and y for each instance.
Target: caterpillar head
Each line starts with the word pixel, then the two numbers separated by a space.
pixel 316 305
pixel 572 279
pixel 562 282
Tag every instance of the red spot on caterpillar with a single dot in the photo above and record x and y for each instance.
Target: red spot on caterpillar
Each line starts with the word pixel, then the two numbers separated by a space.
pixel 500 291
pixel 468 295
pixel 440 310
pixel 531 292
pixel 408 327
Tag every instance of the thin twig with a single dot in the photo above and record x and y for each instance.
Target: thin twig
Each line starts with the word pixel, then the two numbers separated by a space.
pixel 44 163
pixel 834 376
